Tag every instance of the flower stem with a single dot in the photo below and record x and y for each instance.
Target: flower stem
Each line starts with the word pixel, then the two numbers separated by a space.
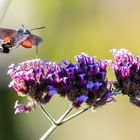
pixel 64 115
pixel 49 132
pixel 47 114
pixel 75 115
pixel 61 120
pixel 55 123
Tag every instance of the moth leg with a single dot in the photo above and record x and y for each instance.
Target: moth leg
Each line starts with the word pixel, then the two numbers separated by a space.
pixel 17 46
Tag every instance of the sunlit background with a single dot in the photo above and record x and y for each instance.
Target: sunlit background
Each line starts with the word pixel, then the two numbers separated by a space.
pixel 72 26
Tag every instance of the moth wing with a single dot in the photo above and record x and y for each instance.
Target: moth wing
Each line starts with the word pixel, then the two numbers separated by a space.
pixel 6 32
pixel 32 40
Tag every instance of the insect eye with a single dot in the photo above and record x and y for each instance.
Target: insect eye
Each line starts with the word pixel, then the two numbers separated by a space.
pixel 23 31
pixel 20 31
pixel 26 32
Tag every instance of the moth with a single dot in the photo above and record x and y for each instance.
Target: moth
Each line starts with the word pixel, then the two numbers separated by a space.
pixel 21 37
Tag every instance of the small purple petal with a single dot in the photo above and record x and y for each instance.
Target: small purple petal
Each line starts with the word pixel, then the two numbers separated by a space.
pixel 80 100
pixel 90 85
pixel 20 108
pixel 52 90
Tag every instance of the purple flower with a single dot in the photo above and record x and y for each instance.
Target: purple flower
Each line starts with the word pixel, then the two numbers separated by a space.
pixel 80 100
pixel 127 71
pixel 20 108
pixel 34 79
pixel 83 81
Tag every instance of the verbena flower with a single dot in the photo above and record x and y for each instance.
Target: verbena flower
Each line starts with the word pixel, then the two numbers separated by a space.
pixel 32 79
pixel 127 71
pixel 83 81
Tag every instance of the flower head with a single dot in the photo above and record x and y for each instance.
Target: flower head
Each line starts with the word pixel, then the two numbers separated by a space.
pixel 127 71
pixel 83 81
pixel 31 79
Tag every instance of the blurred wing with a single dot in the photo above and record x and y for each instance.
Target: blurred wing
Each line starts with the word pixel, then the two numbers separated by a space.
pixel 6 32
pixel 32 40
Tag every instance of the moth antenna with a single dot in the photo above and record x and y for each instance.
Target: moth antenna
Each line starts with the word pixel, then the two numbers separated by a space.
pixel 23 26
pixel 37 28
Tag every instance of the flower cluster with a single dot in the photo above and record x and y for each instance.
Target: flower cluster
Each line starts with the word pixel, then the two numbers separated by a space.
pixel 127 71
pixel 83 81
pixel 33 79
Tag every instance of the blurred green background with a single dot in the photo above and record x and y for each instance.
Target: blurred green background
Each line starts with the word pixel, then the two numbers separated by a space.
pixel 72 26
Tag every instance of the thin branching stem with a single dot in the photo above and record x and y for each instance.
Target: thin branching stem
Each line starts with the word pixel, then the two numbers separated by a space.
pixel 64 115
pixel 76 114
pixel 55 123
pixel 49 132
pixel 47 114
pixel 61 121
pixel 63 118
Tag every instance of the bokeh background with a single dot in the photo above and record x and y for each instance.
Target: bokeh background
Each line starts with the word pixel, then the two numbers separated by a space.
pixel 72 26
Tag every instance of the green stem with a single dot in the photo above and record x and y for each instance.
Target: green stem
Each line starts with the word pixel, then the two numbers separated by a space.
pixel 47 114
pixel 64 115
pixel 76 114
pixel 63 118
pixel 49 132
pixel 55 123
pixel 61 121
